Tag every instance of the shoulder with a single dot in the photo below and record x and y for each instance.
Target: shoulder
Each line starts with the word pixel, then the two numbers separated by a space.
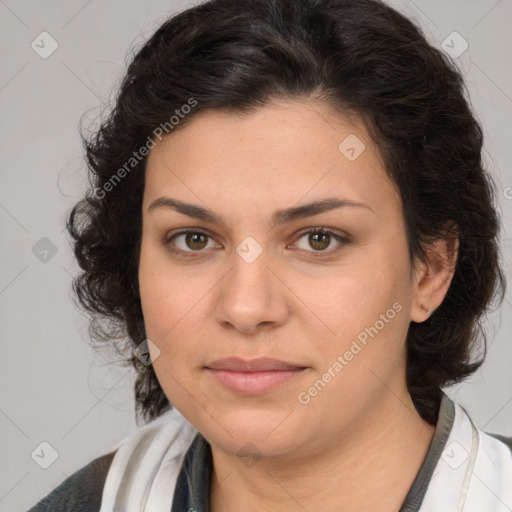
pixel 81 491
pixel 504 439
pixel 496 446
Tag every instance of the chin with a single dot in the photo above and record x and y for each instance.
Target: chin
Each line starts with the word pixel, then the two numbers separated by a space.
pixel 257 432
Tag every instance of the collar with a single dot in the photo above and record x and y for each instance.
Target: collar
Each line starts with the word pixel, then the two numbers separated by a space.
pixel 473 473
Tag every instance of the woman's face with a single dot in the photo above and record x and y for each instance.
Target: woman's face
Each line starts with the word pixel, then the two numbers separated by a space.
pixel 275 277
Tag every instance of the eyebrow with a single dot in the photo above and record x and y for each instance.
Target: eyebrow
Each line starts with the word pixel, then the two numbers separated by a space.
pixel 278 217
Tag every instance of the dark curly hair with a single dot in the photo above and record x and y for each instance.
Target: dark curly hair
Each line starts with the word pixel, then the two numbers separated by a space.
pixel 360 56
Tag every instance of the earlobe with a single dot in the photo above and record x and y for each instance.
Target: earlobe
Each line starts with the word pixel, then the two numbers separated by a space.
pixel 434 277
pixel 422 305
pixel 428 310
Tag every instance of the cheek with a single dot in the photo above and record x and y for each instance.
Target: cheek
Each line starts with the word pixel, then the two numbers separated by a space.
pixel 171 325
pixel 169 301
pixel 350 301
pixel 363 308
pixel 168 294
pixel 367 314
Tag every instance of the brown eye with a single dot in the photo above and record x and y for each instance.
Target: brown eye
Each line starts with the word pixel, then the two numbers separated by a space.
pixel 189 242
pixel 319 241
pixel 196 241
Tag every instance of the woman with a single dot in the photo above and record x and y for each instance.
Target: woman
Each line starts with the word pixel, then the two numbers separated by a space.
pixel 291 224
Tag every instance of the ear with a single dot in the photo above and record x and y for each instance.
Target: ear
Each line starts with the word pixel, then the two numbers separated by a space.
pixel 432 277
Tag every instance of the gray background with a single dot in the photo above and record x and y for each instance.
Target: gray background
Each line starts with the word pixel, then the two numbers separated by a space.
pixel 53 387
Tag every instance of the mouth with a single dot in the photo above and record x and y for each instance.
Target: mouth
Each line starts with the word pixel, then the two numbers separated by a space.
pixel 253 377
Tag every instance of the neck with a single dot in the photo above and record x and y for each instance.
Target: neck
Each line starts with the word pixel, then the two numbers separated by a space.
pixel 371 467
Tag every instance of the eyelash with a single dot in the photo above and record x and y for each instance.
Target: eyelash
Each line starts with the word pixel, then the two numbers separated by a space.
pixel 342 241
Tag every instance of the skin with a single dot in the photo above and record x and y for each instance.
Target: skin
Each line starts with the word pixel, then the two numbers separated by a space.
pixel 296 302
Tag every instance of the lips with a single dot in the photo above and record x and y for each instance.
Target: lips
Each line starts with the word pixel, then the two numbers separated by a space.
pixel 263 364
pixel 252 377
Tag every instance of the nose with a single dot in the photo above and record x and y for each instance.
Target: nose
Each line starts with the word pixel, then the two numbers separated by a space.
pixel 251 297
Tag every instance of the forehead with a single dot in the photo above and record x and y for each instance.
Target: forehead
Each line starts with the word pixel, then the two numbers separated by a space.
pixel 280 153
